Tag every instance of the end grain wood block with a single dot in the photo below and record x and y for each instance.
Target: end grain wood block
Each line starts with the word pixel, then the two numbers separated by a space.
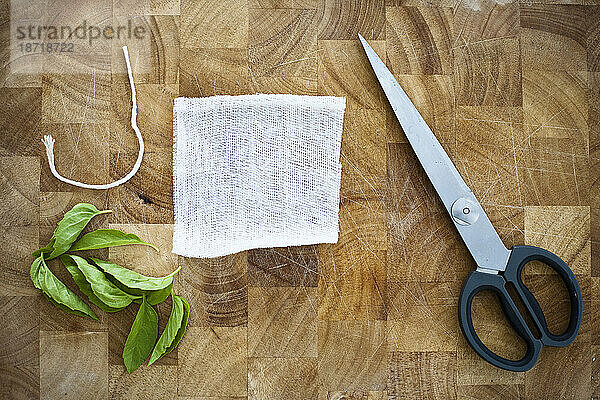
pixel 444 259
pixel 157 382
pixel 164 7
pixel 83 98
pixel 353 395
pixel 594 137
pixel 19 328
pixel 595 371
pixel 485 19
pixel 155 60
pixel 20 119
pixel 129 8
pixel 216 289
pixel 486 151
pixel 345 71
pixel 419 40
pixel 544 171
pixel 422 316
pixel 422 375
pixel 283 42
pixel 19 191
pixel 495 125
pixel 282 378
pixel 574 379
pixel 595 238
pixel 364 155
pixel 284 85
pixel 488 73
pixel 415 215
pixel 344 20
pixel 433 96
pixel 555 104
pixel 19 347
pixel 81 153
pixel 20 383
pixel 593 38
pixel 214 24
pixel 282 322
pixel 408 185
pixel 210 72
pixel 207 356
pixel 491 392
pixel 352 272
pixel 83 361
pixel 294 4
pixel 148 196
pixel 554 171
pixel 564 231
pixel 509 222
pixel 352 355
pixel 284 266
pixel 144 259
pixel 594 298
pixel 553 37
pixel 16 246
pixel 154 118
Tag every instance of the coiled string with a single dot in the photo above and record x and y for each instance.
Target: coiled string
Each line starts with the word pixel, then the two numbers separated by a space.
pixel 49 141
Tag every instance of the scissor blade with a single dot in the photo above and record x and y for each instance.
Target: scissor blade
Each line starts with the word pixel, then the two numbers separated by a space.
pixel 480 237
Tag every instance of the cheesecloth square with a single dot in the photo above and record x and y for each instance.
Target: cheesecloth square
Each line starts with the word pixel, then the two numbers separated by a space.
pixel 255 171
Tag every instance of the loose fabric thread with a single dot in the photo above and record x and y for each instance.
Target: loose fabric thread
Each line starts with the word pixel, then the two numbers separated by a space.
pixel 49 141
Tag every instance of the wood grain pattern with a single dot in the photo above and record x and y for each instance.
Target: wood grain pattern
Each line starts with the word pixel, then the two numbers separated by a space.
pixel 282 322
pixel 282 267
pixel 510 88
pixel 419 40
pixel 282 378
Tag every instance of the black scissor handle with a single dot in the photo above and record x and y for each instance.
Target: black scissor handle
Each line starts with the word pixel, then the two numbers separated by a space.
pixel 478 281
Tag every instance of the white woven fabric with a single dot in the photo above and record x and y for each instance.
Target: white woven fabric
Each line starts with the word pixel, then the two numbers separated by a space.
pixel 255 171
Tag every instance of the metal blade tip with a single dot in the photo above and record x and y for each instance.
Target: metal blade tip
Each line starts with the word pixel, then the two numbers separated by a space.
pixel 362 40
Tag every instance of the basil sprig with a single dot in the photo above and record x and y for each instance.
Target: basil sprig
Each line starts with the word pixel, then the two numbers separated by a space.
pixel 109 286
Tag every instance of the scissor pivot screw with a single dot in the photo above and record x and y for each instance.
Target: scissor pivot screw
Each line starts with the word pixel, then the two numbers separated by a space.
pixel 464 212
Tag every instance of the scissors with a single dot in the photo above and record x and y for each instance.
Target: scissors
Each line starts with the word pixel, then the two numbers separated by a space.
pixel 498 268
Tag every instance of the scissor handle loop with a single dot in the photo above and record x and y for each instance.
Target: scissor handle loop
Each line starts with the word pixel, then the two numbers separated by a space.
pixel 478 281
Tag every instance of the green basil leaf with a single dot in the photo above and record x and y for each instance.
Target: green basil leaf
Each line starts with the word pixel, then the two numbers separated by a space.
pixel 158 296
pixel 34 272
pixel 174 330
pixel 61 294
pixel 71 225
pixel 104 289
pixel 141 338
pixel 48 249
pixel 132 280
pixel 83 284
pixel 102 238
pixel 65 309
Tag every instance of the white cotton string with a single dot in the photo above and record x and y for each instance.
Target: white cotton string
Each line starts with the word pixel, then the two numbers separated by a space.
pixel 49 143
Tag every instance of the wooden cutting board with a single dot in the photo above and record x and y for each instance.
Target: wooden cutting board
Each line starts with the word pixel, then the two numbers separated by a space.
pixel 512 90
